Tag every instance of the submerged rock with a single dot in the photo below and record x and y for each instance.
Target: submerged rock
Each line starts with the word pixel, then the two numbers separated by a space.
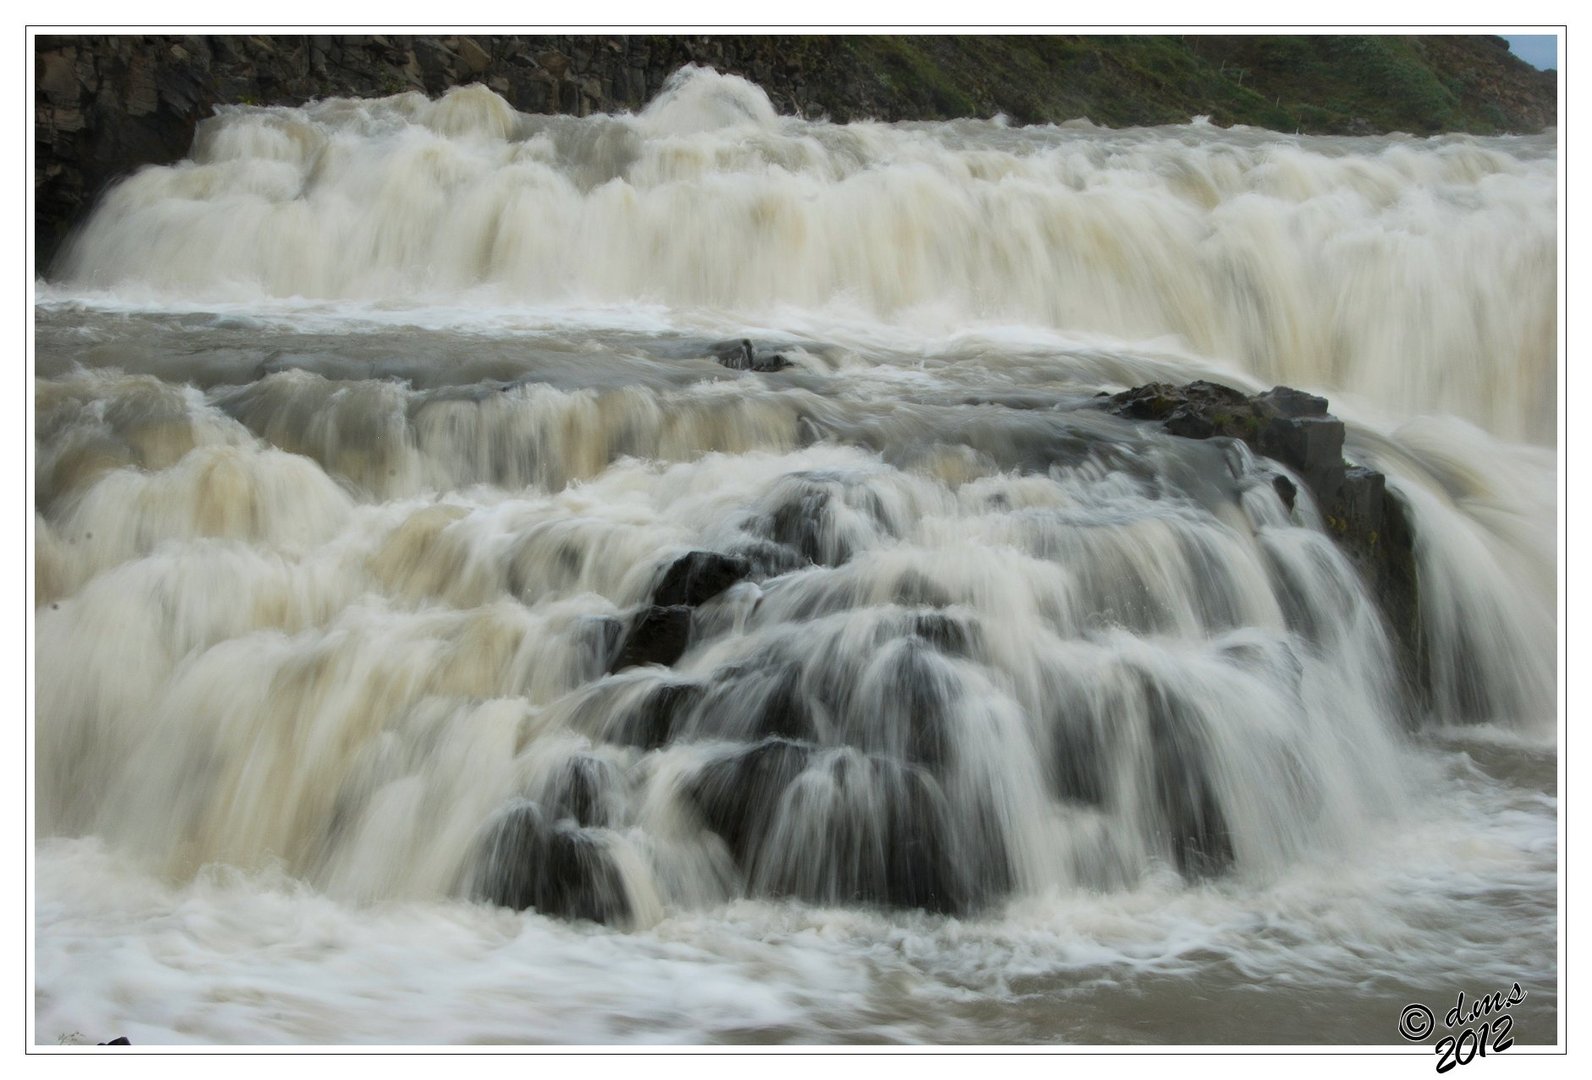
pixel 653 722
pixel 952 635
pixel 820 516
pixel 698 577
pixel 1370 523
pixel 738 796
pixel 759 697
pixel 1195 827
pixel 743 356
pixel 556 868
pixel 586 791
pixel 598 638
pixel 658 635
pixel 837 826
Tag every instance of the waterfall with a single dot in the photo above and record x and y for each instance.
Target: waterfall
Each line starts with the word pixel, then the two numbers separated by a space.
pixel 398 532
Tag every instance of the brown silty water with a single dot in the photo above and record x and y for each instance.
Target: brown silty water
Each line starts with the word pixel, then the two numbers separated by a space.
pixel 438 643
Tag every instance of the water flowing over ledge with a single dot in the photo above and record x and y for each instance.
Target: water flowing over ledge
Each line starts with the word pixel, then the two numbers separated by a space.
pixel 1415 274
pixel 408 541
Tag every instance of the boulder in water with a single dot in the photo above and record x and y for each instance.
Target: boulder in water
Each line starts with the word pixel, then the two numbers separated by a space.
pixel 738 796
pixel 698 577
pixel 1285 401
pixel 1290 426
pixel 1194 825
pixel 658 635
pixel 599 637
pixel 743 356
pixel 950 634
pixel 653 722
pixel 555 868
pixel 585 791
pixel 1311 446
pixel 762 697
pixel 838 826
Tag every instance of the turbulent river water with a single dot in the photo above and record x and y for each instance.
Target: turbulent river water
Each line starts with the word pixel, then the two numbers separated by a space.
pixel 367 437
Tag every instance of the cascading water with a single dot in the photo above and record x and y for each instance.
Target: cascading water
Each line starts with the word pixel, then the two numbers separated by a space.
pixel 436 643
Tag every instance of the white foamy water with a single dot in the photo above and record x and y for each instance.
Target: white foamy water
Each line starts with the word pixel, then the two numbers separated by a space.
pixel 367 436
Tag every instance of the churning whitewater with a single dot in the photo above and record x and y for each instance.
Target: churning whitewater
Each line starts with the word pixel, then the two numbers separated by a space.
pixel 668 578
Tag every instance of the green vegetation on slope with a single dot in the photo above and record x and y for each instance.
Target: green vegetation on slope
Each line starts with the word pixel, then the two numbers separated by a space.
pixel 1325 84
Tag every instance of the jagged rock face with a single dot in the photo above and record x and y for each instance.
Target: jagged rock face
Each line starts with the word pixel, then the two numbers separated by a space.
pixel 697 577
pixel 1369 522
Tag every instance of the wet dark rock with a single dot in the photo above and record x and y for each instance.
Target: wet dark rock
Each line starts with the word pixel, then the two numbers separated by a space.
pixel 1286 490
pixel 585 790
pixel 920 700
pixel 1077 760
pixel 836 827
pixel 918 868
pixel 744 356
pixel 761 698
pixel 1285 401
pixel 698 577
pixel 739 795
pixel 810 430
pixel 769 559
pixel 799 525
pixel 915 589
pixel 804 512
pixel 1369 522
pixel 736 355
pixel 120 1040
pixel 1195 827
pixel 886 839
pixel 658 635
pixel 951 635
pixel 1190 424
pixel 556 868
pixel 1360 497
pixel 1218 405
pixel 599 637
pixel 653 722
pixel 1372 526
pixel 1311 446
pixel 1284 424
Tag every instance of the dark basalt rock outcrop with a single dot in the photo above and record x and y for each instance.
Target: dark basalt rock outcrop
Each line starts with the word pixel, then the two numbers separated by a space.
pixel 584 790
pixel 949 634
pixel 763 697
pixel 805 514
pixel 557 868
pixel 653 722
pixel 744 356
pixel 1196 828
pixel 661 631
pixel 599 638
pixel 699 576
pixel 658 635
pixel 891 847
pixel 1369 522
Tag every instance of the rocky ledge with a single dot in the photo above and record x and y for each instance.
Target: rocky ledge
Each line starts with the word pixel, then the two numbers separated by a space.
pixel 1370 523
